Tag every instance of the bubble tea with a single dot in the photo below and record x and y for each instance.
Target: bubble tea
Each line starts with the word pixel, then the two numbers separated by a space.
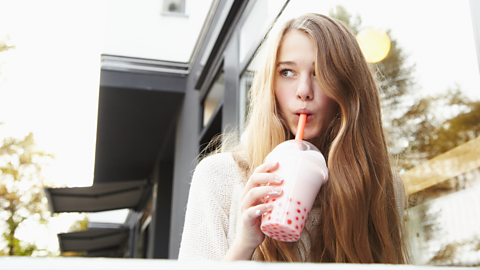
pixel 304 170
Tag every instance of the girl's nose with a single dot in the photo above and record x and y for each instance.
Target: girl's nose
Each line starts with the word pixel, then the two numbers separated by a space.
pixel 305 88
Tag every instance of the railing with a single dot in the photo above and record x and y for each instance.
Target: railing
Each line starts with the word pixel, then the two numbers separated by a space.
pixel 20 263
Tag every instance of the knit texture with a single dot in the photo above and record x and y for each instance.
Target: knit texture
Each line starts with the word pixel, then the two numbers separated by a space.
pixel 213 209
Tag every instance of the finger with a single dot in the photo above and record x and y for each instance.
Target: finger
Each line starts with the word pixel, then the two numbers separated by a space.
pixel 256 196
pixel 256 211
pixel 267 167
pixel 262 175
pixel 258 179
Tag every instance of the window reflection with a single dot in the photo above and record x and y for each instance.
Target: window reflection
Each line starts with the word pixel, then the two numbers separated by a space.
pixel 245 83
pixel 256 25
pixel 214 96
pixel 429 83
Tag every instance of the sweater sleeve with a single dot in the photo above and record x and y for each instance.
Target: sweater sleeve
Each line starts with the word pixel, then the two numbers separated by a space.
pixel 206 219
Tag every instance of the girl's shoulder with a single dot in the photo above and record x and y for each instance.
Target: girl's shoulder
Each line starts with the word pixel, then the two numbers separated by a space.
pixel 215 162
pixel 218 167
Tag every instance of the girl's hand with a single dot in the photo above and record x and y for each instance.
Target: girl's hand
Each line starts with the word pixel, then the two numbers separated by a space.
pixel 261 184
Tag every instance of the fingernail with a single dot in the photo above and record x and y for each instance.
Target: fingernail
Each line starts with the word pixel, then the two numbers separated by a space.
pixel 278 179
pixel 275 191
pixel 269 206
pixel 257 213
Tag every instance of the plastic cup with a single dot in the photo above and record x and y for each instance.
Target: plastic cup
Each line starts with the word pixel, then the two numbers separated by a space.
pixel 304 170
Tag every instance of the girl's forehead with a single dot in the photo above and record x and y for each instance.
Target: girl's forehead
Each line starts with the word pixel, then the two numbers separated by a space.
pixel 295 44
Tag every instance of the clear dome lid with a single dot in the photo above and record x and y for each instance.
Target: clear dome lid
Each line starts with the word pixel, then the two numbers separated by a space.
pixel 298 145
pixel 302 149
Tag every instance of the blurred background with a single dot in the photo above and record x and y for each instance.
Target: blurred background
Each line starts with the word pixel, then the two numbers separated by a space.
pixel 105 106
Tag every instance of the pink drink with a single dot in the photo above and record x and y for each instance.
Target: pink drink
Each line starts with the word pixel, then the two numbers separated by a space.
pixel 303 169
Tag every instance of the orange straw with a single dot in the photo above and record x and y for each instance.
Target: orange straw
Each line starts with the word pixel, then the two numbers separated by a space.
pixel 301 126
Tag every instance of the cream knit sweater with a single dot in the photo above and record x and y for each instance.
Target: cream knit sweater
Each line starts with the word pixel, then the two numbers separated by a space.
pixel 213 209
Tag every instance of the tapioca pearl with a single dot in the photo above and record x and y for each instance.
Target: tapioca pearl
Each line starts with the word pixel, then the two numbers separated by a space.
pixel 298 210
pixel 289 221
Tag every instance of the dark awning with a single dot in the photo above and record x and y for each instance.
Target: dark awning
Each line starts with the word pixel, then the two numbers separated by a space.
pixel 96 242
pixel 99 197
pixel 137 114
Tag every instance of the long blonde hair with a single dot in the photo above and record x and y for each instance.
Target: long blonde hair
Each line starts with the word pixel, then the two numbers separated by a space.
pixel 359 220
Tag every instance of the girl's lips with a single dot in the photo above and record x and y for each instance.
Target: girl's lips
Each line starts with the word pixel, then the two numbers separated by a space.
pixel 309 117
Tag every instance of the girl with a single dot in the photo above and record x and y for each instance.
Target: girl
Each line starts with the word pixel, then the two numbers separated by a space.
pixel 314 66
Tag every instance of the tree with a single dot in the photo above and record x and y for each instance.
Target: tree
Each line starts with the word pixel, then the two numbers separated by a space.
pixel 4 46
pixel 432 133
pixel 419 129
pixel 395 80
pixel 21 190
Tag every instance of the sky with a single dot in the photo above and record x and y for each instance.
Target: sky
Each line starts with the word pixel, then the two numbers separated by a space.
pixel 437 37
pixel 49 83
pixel 49 86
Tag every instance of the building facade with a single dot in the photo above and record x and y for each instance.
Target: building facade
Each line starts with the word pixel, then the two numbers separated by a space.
pixel 164 94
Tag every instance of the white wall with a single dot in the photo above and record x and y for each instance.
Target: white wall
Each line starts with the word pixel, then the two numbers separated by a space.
pixel 139 29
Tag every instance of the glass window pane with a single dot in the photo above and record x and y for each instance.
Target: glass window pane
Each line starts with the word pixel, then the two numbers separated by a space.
pixel 430 83
pixel 257 23
pixel 245 83
pixel 213 98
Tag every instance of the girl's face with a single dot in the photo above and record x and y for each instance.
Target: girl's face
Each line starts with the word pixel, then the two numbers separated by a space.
pixel 296 87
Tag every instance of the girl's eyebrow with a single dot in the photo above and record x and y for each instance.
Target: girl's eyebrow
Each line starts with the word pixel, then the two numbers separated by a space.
pixel 286 63
pixel 290 63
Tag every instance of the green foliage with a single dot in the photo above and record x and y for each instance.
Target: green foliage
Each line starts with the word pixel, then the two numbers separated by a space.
pixel 21 190
pixel 437 124
pixel 419 129
pixel 79 225
pixel 4 46
pixel 340 13
pixel 448 254
pixel 394 77
pixel 415 130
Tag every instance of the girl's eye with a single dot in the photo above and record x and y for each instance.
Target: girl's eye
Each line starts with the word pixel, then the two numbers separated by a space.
pixel 286 73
